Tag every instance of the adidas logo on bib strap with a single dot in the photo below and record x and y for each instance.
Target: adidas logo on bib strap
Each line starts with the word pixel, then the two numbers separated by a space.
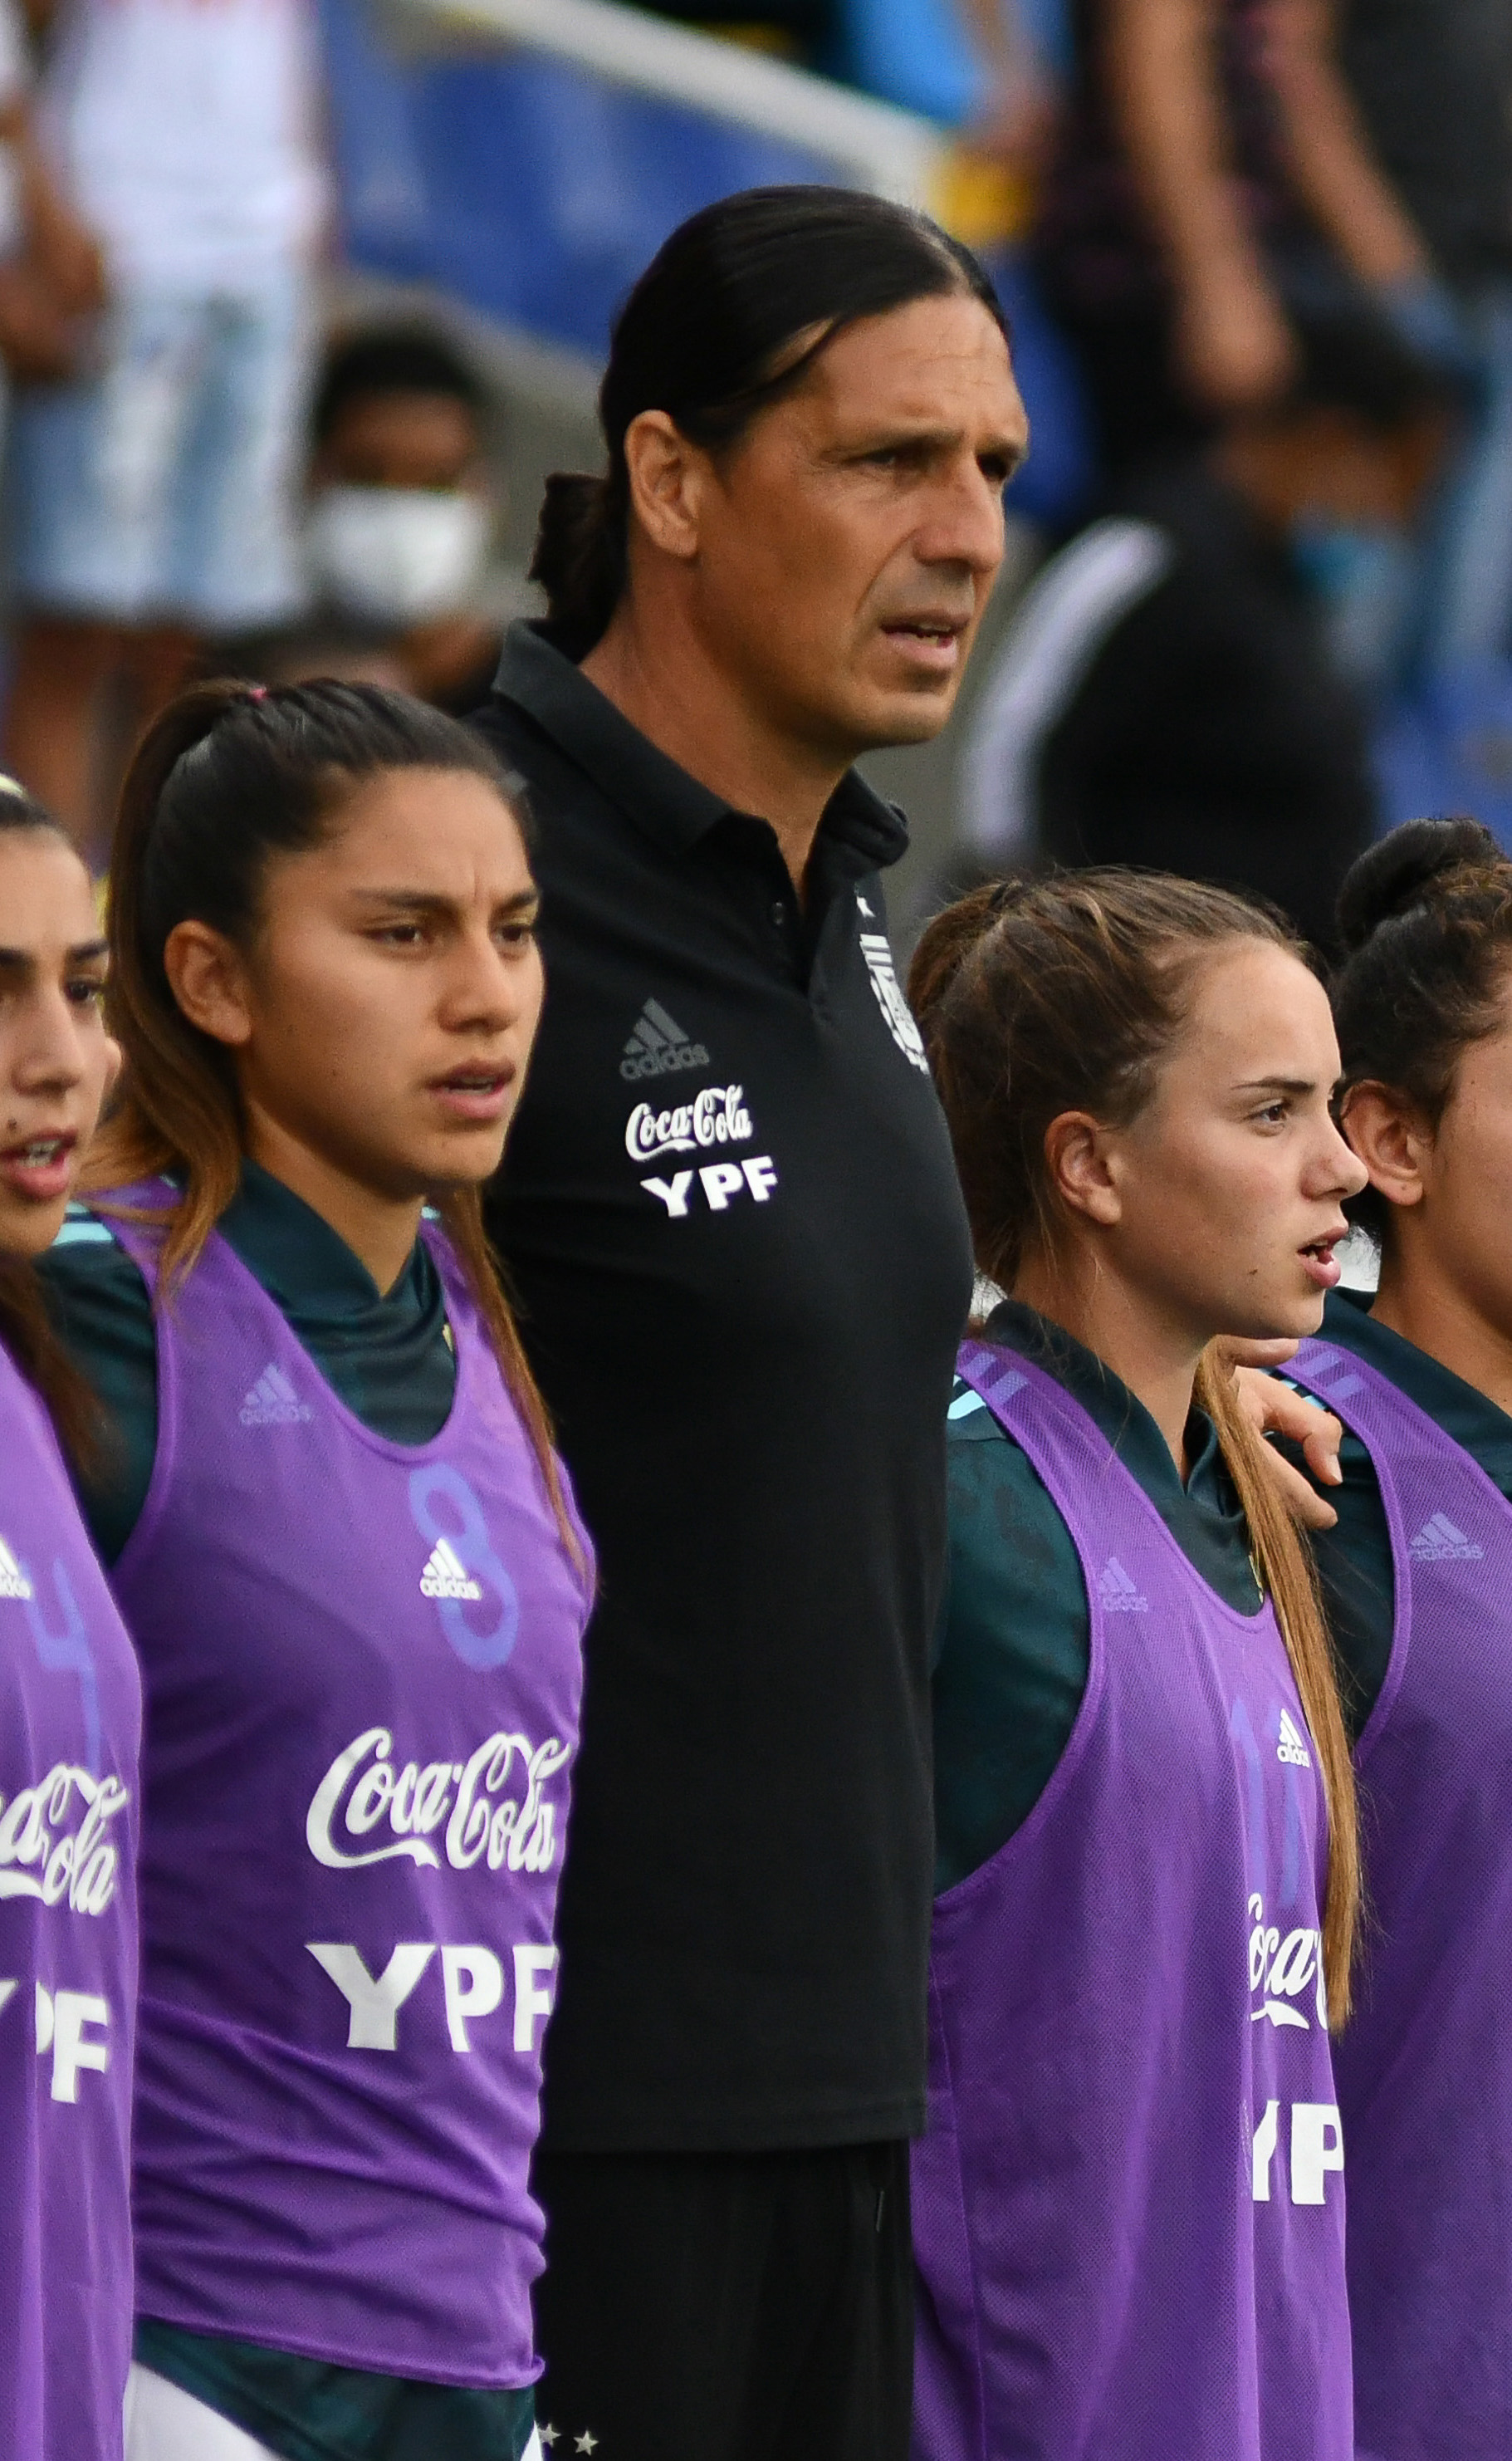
pixel 446 1575
pixel 1440 1542
pixel 1119 1594
pixel 658 1046
pixel 1291 1748
pixel 13 1582
pixel 273 1402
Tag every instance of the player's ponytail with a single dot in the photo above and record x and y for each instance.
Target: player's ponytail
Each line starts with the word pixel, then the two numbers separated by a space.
pixel 1038 997
pixel 229 777
pixel 1289 1573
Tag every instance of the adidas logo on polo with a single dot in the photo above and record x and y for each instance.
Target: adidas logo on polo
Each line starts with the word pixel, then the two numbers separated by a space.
pixel 1440 1542
pixel 13 1582
pixel 446 1575
pixel 273 1402
pixel 1119 1594
pixel 1291 1748
pixel 658 1047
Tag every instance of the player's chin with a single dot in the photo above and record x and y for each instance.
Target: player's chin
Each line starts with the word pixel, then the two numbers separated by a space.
pixel 1297 1312
pixel 1288 1310
pixel 28 1228
pixel 462 1158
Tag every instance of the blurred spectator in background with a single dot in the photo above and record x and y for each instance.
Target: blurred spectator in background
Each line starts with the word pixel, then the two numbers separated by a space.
pixel 52 273
pixel 400 524
pixel 151 498
pixel 1425 94
pixel 1168 693
pixel 1173 221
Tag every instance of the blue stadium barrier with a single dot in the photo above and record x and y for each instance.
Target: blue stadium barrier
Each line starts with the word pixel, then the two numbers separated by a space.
pixel 529 190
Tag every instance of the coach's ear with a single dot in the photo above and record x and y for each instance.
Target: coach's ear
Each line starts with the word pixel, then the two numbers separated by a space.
pixel 1391 1138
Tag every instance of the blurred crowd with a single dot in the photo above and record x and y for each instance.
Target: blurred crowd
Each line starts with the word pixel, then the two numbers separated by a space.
pixel 1258 255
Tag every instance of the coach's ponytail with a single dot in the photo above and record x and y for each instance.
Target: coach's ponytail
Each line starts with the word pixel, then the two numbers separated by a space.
pixel 728 316
pixel 1038 997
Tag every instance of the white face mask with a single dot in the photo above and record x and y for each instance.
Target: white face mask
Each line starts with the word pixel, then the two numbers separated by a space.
pixel 396 555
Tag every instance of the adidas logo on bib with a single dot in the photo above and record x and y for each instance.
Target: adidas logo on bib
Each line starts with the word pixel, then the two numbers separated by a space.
pixel 273 1402
pixel 1440 1542
pixel 13 1582
pixel 1291 1748
pixel 446 1575
pixel 1117 1594
pixel 658 1046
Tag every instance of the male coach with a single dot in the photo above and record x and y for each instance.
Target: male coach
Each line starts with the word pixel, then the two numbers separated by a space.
pixel 730 1216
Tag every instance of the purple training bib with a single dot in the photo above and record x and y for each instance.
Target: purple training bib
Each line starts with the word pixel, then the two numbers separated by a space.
pixel 70 1727
pixel 1425 2067
pixel 1129 2218
pixel 362 1666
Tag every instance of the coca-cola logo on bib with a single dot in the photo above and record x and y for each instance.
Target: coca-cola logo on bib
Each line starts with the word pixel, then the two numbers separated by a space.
pixel 54 1841
pixel 491 1809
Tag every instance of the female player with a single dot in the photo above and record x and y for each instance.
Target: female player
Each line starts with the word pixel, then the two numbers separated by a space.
pixel 1417 1574
pixel 1129 2234
pixel 344 1550
pixel 70 1721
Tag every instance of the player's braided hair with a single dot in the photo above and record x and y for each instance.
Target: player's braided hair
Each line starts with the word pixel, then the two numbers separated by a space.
pixel 1038 997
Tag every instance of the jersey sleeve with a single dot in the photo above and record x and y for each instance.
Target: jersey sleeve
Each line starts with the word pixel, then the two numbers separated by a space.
pixel 1013 1649
pixel 103 1314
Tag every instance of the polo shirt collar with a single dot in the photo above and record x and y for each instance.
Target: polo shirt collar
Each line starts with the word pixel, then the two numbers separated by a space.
pixel 643 782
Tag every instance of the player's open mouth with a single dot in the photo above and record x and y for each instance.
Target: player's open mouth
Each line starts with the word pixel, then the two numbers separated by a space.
pixel 477 1095
pixel 39 1168
pixel 1320 1263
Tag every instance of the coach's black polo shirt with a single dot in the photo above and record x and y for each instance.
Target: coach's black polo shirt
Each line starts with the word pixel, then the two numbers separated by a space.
pixel 729 1212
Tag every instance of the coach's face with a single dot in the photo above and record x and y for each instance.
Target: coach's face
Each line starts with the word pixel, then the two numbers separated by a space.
pixel 840 554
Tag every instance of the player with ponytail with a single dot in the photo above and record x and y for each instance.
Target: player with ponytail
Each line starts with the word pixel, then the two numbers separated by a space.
pixel 356 1582
pixel 70 1717
pixel 1128 2230
pixel 1416 1576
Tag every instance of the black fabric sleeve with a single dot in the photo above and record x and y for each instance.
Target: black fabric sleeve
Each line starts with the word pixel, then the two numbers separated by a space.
pixel 103 1314
pixel 1012 1650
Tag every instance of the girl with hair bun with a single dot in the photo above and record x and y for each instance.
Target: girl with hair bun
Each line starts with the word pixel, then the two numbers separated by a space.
pixel 70 1719
pixel 1417 1575
pixel 1129 2230
pixel 353 1573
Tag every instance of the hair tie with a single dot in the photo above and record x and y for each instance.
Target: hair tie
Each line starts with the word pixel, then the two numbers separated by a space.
pixel 257 692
